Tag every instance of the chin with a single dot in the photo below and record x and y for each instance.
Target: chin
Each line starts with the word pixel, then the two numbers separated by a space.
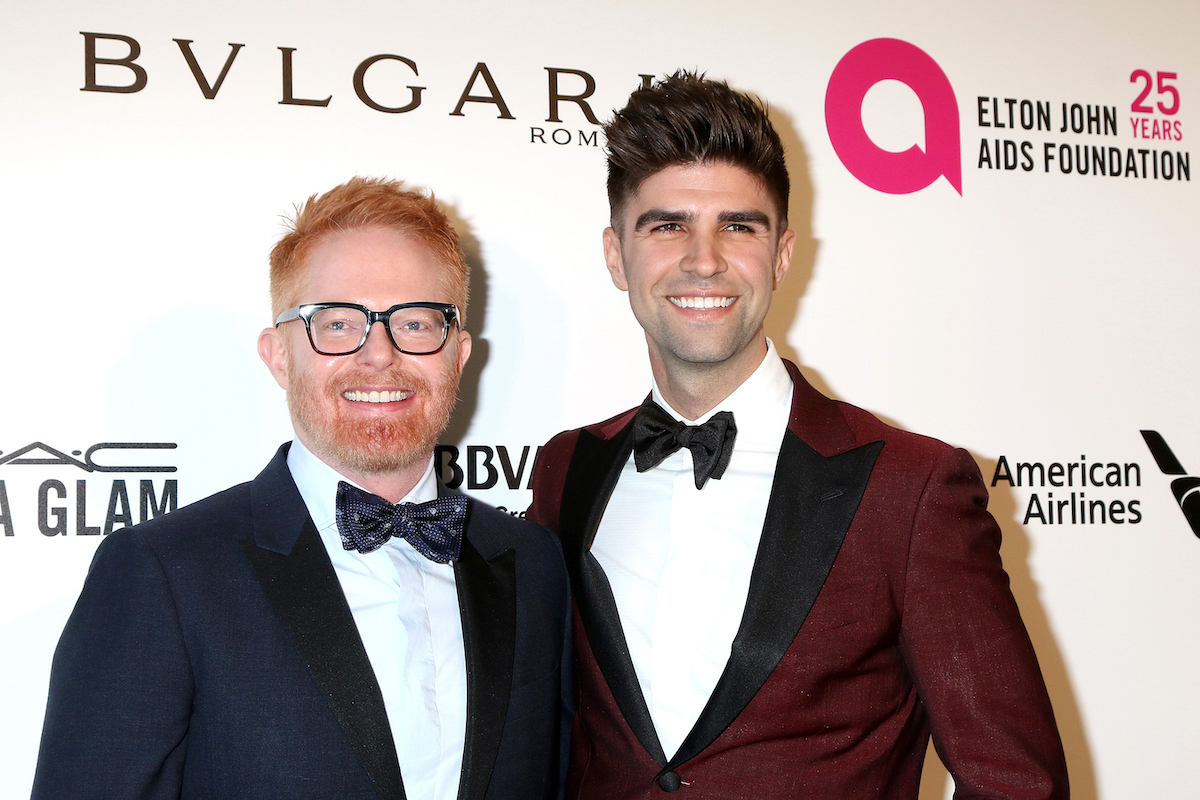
pixel 383 447
pixel 376 446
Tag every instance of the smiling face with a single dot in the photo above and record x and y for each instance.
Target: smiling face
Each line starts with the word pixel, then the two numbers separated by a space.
pixel 700 251
pixel 376 411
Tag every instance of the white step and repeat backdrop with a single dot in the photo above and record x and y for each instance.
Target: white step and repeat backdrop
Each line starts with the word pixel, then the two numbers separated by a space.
pixel 1023 283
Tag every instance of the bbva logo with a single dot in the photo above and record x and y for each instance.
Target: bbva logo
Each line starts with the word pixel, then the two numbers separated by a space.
pixel 913 169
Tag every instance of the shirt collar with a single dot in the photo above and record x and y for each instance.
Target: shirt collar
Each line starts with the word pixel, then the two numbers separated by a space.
pixel 317 482
pixel 756 404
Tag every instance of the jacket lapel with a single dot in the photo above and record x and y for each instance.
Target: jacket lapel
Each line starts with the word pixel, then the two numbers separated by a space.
pixel 820 479
pixel 592 475
pixel 813 502
pixel 487 599
pixel 298 579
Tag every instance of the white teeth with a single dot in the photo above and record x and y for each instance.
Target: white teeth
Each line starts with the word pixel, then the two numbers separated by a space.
pixel 375 397
pixel 702 302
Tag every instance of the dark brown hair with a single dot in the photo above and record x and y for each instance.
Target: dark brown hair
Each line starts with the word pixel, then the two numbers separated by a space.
pixel 687 119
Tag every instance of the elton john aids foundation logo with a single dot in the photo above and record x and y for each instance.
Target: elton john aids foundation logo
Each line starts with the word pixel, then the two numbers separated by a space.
pixel 886 171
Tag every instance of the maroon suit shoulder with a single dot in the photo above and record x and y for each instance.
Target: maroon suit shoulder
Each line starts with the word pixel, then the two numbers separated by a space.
pixel 550 469
pixel 549 473
pixel 833 426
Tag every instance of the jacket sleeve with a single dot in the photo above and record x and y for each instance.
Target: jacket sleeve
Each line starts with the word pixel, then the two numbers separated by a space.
pixel 967 648
pixel 120 685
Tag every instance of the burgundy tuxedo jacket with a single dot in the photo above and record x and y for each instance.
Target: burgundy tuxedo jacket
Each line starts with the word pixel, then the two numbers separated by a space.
pixel 878 614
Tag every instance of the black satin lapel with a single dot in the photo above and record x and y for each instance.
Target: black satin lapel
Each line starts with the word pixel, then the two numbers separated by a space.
pixel 487 598
pixel 592 475
pixel 304 590
pixel 607 638
pixel 813 502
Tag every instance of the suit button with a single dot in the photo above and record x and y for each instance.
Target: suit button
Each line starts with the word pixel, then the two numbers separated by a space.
pixel 669 781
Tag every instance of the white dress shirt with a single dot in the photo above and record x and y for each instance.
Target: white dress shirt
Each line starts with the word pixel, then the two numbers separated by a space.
pixel 406 610
pixel 679 558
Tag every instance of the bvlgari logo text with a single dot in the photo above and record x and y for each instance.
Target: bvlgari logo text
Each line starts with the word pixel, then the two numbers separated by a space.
pixel 385 82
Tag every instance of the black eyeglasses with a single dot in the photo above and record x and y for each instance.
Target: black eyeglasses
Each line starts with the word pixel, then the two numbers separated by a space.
pixel 339 329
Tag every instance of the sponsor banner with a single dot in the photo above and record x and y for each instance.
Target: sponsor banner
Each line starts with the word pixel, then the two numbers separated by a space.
pixel 995 212
pixel 62 506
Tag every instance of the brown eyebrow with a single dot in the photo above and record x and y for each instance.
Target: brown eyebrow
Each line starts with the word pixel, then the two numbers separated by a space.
pixel 750 217
pixel 656 215
pixel 661 215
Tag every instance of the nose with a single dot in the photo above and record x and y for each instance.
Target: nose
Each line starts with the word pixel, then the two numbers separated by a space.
pixel 703 257
pixel 378 351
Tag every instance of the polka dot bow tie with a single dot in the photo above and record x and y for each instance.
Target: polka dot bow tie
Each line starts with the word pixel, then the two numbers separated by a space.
pixel 656 435
pixel 434 529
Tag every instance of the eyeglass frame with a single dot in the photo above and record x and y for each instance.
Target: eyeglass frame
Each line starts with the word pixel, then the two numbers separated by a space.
pixel 305 312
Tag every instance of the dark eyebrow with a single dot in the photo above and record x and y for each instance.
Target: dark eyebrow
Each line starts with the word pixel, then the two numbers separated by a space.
pixel 750 217
pixel 661 215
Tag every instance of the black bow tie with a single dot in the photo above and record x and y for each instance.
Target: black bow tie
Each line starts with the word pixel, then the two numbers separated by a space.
pixel 434 529
pixel 656 435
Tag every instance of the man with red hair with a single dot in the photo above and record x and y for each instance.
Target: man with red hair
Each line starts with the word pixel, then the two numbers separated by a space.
pixel 343 626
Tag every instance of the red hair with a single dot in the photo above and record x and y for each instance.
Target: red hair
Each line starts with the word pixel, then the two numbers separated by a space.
pixel 367 203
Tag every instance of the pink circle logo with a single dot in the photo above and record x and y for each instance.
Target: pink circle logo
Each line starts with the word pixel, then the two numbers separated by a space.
pixel 913 169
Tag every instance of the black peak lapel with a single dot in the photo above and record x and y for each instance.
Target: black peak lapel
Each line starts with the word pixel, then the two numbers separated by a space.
pixel 279 511
pixel 487 599
pixel 813 502
pixel 304 590
pixel 592 475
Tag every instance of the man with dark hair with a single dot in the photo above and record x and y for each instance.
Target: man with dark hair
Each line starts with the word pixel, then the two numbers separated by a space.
pixel 777 595
pixel 343 626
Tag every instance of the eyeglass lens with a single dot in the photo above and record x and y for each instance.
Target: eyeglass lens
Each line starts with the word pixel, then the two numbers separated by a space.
pixel 342 330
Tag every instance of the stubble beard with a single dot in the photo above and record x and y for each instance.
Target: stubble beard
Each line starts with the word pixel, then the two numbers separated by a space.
pixel 372 446
pixel 700 349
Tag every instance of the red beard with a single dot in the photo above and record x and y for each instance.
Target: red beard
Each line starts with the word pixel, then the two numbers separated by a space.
pixel 371 446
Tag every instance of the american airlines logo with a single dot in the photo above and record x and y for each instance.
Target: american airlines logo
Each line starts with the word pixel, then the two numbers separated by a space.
pixel 1186 488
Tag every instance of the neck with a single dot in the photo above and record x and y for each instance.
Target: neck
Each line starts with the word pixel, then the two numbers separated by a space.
pixel 695 389
pixel 391 486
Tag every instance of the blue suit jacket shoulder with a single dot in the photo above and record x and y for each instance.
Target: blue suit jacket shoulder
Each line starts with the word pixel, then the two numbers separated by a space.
pixel 211 653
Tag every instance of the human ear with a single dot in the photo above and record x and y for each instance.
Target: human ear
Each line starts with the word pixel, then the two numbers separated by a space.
pixel 613 259
pixel 783 258
pixel 273 351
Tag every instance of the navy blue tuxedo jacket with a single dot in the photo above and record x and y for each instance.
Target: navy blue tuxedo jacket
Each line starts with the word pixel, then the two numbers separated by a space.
pixel 212 654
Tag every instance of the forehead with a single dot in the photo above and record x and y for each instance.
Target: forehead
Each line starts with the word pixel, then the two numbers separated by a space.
pixel 373 266
pixel 700 187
